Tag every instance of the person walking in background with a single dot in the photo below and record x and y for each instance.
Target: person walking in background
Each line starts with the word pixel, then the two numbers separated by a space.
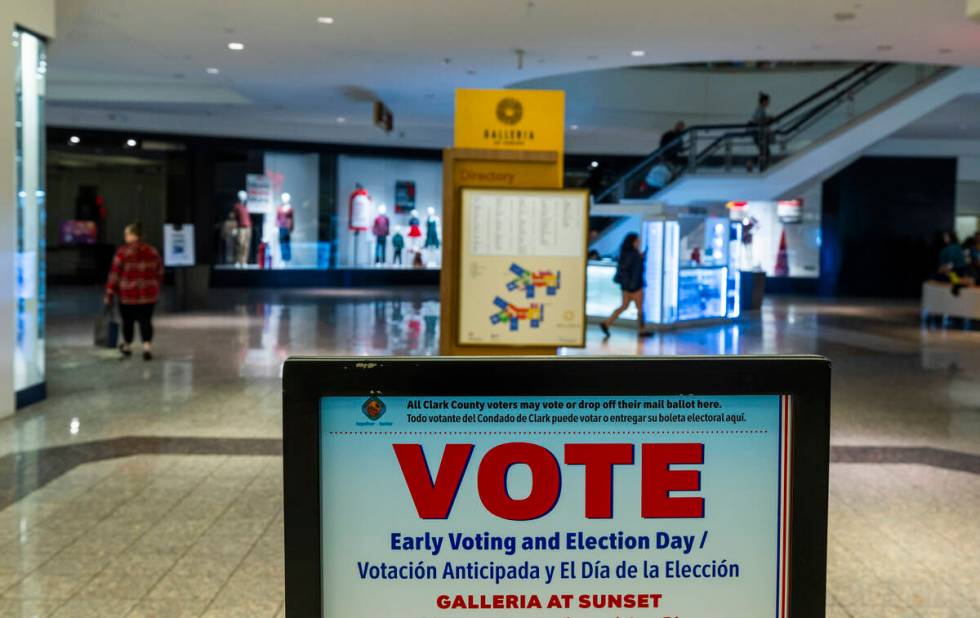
pixel 951 256
pixel 135 278
pixel 671 145
pixel 629 276
pixel 761 121
pixel 971 253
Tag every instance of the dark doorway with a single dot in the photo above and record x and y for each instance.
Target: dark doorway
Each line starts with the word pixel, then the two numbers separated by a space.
pixel 881 219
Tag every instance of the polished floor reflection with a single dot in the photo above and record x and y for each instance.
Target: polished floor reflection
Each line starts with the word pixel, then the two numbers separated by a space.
pixel 154 489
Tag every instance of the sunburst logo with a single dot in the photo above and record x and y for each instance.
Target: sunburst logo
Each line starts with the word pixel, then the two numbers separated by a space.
pixel 510 110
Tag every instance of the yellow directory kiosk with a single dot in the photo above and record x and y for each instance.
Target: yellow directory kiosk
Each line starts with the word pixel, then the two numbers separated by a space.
pixel 513 274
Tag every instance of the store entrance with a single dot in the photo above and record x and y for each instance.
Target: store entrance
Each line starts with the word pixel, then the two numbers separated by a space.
pixel 90 199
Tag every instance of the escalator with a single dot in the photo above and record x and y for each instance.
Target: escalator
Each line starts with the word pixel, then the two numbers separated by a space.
pixel 813 137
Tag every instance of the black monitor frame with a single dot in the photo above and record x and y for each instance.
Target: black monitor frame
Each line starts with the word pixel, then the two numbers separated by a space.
pixel 806 379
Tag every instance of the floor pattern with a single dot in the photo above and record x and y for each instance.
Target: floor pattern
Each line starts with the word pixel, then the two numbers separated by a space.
pixel 155 489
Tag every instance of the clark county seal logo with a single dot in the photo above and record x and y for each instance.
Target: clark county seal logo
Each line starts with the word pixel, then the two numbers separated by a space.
pixel 509 110
pixel 373 408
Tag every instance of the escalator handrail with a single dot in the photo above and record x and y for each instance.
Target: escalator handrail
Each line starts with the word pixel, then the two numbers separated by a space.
pixel 869 67
pixel 740 130
pixel 814 111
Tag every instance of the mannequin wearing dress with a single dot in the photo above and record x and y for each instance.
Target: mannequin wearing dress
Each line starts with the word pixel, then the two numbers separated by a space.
pixel 285 222
pixel 415 238
pixel 358 217
pixel 432 242
pixel 414 231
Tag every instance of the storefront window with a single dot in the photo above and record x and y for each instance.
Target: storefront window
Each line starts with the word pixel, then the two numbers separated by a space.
pixel 30 148
pixel 281 210
pixel 271 219
pixel 781 239
pixel 389 213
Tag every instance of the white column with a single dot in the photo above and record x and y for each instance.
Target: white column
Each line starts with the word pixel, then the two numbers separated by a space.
pixel 38 17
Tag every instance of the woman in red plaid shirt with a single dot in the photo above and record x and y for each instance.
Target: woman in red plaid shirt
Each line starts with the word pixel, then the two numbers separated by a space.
pixel 135 278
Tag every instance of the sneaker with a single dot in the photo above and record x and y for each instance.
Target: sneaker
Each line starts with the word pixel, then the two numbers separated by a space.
pixel 605 330
pixel 147 355
pixel 643 334
pixel 125 350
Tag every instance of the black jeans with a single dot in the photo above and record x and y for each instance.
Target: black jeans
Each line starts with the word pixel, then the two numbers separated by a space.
pixel 137 313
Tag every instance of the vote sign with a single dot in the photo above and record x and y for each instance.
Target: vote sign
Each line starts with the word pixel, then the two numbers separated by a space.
pixel 532 500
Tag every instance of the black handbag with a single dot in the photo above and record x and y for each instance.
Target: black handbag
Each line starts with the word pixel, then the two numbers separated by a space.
pixel 107 328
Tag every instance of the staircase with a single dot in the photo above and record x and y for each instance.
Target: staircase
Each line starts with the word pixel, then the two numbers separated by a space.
pixel 811 139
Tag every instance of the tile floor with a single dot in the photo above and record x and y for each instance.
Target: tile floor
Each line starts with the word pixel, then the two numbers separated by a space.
pixel 180 514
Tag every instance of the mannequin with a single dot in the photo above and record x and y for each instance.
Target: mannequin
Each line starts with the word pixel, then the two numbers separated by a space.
pixel 415 239
pixel 229 231
pixel 285 223
pixel 243 237
pixel 414 232
pixel 358 215
pixel 380 230
pixel 397 244
pixel 432 236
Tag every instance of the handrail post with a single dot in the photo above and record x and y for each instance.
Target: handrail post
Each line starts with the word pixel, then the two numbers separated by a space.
pixel 692 152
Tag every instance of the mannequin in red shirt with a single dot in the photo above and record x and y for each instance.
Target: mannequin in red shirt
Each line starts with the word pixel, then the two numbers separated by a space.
pixel 380 229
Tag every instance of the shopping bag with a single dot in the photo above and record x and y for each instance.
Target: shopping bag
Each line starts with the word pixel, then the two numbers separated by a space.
pixel 107 328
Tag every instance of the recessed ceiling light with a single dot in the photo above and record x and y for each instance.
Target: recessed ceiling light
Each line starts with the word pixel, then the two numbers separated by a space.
pixel 595 164
pixel 573 127
pixel 324 20
pixel 212 70
pixel 638 53
pixel 234 46
pixel 845 16
pixel 341 119
pixel 74 139
pixel 884 48
pixel 131 143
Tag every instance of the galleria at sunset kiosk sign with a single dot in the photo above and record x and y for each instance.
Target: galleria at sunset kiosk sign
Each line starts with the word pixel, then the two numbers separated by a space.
pixel 681 487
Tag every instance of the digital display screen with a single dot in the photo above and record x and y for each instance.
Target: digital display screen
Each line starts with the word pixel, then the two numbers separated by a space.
pixel 563 505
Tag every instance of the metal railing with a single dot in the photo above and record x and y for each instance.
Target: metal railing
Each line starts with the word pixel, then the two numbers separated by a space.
pixel 748 148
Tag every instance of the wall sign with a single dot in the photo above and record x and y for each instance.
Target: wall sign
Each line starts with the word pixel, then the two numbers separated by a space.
pixel 384 119
pixel 259 189
pixel 178 245
pixel 510 119
pixel 790 211
pixel 515 486
pixel 522 267
pixel 404 196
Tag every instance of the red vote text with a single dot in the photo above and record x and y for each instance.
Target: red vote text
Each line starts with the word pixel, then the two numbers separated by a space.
pixel 434 498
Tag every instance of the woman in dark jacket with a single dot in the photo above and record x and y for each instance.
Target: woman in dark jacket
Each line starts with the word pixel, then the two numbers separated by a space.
pixel 629 276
